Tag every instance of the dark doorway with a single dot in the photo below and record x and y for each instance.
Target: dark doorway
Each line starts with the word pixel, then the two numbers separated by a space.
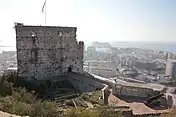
pixel 69 69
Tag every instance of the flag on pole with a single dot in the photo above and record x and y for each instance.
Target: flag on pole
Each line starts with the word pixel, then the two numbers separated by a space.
pixel 43 6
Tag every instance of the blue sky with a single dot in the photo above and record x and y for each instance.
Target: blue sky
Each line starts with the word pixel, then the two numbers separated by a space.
pixel 97 20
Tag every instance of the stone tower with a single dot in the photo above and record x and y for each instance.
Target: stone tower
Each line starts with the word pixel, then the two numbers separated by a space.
pixel 44 52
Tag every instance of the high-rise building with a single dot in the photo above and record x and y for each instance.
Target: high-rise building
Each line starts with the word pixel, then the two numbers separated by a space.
pixel 91 51
pixel 171 68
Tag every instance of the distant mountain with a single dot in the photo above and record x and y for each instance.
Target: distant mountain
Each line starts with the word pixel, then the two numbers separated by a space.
pixel 159 46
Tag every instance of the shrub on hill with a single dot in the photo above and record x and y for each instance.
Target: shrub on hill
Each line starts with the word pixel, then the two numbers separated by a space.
pixel 20 101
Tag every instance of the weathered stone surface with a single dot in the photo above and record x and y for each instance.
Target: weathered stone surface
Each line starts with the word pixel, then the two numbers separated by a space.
pixel 42 52
pixel 133 91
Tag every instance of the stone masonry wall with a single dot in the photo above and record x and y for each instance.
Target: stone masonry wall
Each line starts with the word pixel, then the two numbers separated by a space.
pixel 84 83
pixel 133 91
pixel 45 51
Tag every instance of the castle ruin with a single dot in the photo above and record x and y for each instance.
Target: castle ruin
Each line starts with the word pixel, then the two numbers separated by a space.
pixel 45 52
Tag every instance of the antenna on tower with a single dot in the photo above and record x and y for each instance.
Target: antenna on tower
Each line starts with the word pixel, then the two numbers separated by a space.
pixel 44 10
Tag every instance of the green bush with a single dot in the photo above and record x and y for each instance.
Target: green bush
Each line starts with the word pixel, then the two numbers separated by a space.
pixel 45 109
pixel 109 113
pixel 23 95
pixel 26 106
pixel 5 87
pixel 21 108
pixel 79 112
pixel 93 97
pixel 85 97
pixel 172 113
pixel 9 104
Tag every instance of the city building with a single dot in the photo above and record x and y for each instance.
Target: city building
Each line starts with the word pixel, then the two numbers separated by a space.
pixel 47 51
pixel 91 51
pixel 171 68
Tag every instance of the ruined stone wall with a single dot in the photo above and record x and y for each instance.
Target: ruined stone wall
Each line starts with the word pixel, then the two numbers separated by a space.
pixel 133 91
pixel 44 51
pixel 84 83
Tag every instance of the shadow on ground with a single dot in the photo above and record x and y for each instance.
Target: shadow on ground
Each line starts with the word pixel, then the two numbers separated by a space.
pixel 130 99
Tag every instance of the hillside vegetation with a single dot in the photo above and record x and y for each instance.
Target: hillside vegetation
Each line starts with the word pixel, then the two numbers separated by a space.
pixel 20 101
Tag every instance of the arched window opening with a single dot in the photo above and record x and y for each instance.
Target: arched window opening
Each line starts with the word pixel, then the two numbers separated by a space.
pixel 69 69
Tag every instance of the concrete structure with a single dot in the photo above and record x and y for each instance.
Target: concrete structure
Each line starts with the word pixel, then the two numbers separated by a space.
pixel 123 88
pixel 171 97
pixel 171 68
pixel 106 93
pixel 88 82
pixel 104 72
pixel 102 68
pixel 91 51
pixel 84 82
pixel 47 51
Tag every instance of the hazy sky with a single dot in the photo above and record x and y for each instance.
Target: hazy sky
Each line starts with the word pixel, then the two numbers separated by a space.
pixel 101 20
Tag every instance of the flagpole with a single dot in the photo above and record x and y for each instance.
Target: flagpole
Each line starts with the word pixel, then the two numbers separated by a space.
pixel 45 14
